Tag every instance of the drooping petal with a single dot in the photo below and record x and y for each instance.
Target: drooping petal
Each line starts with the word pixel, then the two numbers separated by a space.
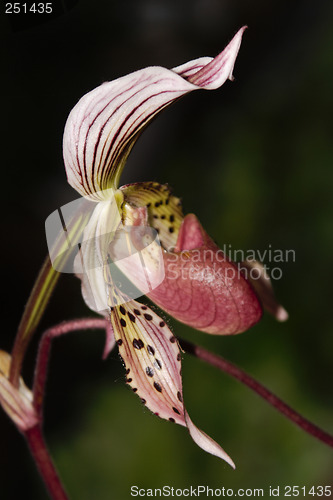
pixel 152 360
pixel 104 125
pixel 206 442
pixel 257 274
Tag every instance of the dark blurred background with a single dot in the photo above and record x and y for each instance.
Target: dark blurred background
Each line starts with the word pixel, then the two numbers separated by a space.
pixel 254 161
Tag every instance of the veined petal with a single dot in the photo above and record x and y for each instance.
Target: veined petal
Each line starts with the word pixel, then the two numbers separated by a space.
pixel 210 73
pixel 152 360
pixel 104 125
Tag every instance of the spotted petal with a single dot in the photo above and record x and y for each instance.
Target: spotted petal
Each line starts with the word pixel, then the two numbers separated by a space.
pixel 164 210
pixel 104 125
pixel 152 359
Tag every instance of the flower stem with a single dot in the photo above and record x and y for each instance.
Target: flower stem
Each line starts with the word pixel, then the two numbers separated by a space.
pixel 34 309
pixel 44 463
pixel 45 347
pixel 235 372
pixel 34 435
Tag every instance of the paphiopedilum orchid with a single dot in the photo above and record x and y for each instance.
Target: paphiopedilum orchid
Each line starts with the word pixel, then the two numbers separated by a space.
pixel 201 287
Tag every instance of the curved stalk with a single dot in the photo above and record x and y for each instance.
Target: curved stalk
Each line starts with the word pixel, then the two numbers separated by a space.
pixel 34 436
pixel 45 347
pixel 44 463
pixel 235 372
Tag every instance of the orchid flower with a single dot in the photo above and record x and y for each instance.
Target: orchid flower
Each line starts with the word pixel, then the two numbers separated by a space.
pixel 207 293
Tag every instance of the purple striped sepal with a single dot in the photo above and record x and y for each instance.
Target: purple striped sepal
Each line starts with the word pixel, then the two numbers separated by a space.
pixel 104 125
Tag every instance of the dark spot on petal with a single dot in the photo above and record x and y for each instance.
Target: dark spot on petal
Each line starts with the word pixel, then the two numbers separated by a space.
pixel 158 364
pixel 172 218
pixel 137 312
pixel 150 350
pixel 129 380
pixel 122 322
pixel 119 342
pixel 148 317
pixel 138 344
pixel 134 389
pixel 149 371
pixel 155 216
pixel 122 310
pixel 112 308
pixel 172 420
pixel 144 308
pixel 157 387
pixel 171 229
pixel 157 414
pixel 131 317
pixel 179 357
pixel 167 201
pixel 148 204
pixel 162 324
pixel 157 230
pixel 143 401
pixel 127 371
pixel 162 216
pixel 179 396
pixel 176 411
pixel 172 339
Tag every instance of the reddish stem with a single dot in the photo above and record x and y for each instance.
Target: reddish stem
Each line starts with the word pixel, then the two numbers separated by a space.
pixel 34 435
pixel 235 372
pixel 44 463
pixel 197 351
pixel 44 351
